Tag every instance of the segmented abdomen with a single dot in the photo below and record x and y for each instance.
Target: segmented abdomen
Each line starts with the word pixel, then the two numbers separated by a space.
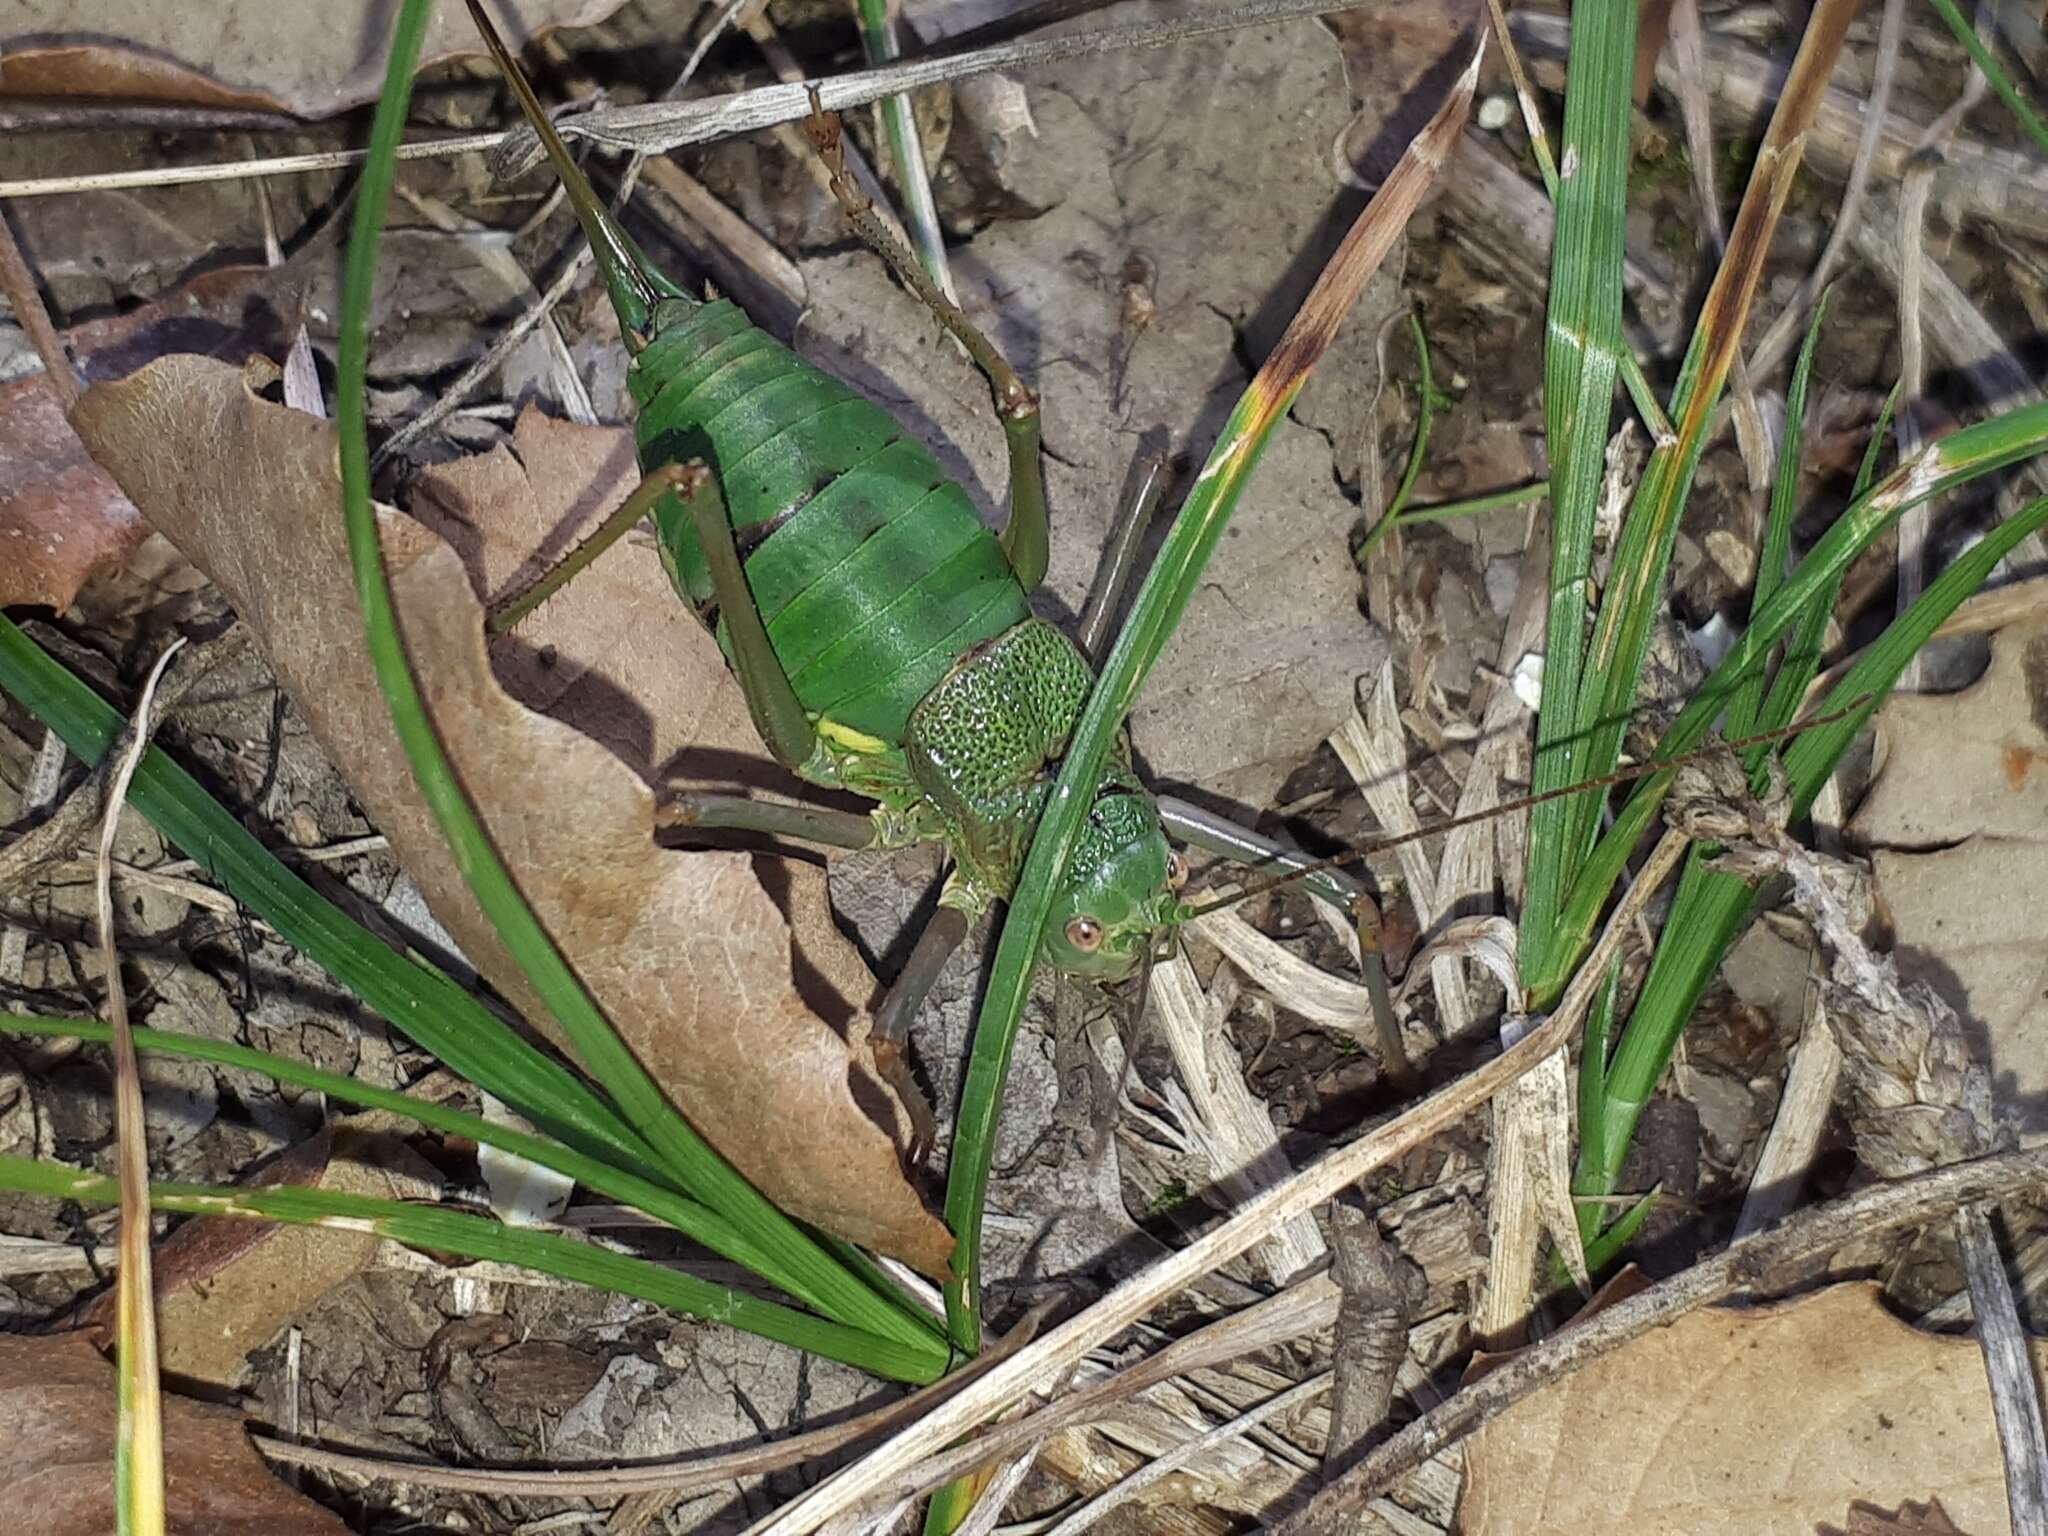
pixel 871 568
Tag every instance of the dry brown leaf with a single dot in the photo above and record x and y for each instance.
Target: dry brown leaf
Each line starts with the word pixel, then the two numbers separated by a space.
pixel 226 1285
pixel 61 516
pixel 63 520
pixel 1958 821
pixel 297 56
pixel 1763 1422
pixel 57 1454
pixel 686 952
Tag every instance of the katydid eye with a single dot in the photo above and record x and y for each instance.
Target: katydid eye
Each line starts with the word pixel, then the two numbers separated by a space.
pixel 1176 870
pixel 1085 934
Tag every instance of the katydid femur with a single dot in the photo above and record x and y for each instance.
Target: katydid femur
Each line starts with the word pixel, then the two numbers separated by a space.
pixel 883 638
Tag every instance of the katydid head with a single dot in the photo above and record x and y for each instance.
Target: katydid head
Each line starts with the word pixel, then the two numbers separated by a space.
pixel 1122 887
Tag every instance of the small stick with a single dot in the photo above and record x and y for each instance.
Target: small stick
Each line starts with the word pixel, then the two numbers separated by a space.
pixel 2009 1363
pixel 682 1474
pixel 659 127
pixel 19 285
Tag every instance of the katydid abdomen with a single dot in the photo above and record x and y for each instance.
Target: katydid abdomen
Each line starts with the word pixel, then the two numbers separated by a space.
pixel 870 567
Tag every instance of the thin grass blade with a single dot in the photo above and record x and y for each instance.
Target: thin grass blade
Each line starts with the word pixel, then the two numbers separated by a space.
pixel 433 1229
pixel 1583 345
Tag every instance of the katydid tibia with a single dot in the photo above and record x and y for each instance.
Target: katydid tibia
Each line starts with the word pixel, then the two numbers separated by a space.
pixel 882 637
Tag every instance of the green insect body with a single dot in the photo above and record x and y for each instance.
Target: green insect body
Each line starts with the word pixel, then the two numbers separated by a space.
pixel 896 615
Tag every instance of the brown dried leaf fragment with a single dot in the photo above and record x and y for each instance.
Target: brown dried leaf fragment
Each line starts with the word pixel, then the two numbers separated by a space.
pixel 61 516
pixel 63 520
pixel 1762 1422
pixel 687 953
pixel 305 57
pixel 57 1454
pixel 226 1285
pixel 1958 827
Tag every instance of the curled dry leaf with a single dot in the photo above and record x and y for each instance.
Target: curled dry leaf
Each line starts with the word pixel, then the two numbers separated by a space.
pixel 1958 827
pixel 687 953
pixel 61 516
pixel 299 56
pixel 1772 1421
pixel 57 1454
pixel 63 520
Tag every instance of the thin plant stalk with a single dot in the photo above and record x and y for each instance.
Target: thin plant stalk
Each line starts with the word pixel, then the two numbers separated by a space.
pixel 1418 450
pixel 139 1419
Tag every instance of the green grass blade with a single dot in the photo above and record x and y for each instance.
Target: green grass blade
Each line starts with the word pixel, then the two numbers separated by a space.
pixel 1747 706
pixel 1994 72
pixel 423 1004
pixel 1418 450
pixel 1593 1063
pixel 437 1230
pixel 1803 654
pixel 1601 1250
pixel 801 1264
pixel 694 1220
pixel 1810 759
pixel 1943 466
pixel 1583 346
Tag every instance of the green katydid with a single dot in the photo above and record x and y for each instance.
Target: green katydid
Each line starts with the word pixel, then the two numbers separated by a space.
pixel 881 635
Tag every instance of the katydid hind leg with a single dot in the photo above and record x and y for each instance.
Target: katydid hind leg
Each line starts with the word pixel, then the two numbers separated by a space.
pixel 522 600
pixel 1150 475
pixel 780 717
pixel 1215 834
pixel 1026 537
pixel 714 812
pixel 1189 823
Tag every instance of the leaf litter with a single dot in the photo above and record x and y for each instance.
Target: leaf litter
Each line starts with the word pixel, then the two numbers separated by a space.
pixel 1957 825
pixel 1691 1430
pixel 1058 292
pixel 305 57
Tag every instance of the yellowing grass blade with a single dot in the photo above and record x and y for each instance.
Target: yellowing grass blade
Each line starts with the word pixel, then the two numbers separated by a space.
pixel 139 1434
